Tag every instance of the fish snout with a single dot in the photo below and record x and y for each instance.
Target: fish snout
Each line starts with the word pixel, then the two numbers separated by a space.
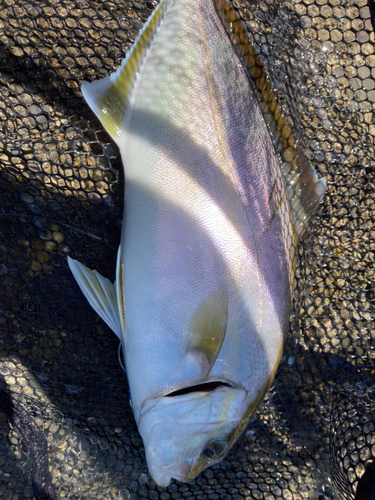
pixel 188 470
pixel 186 432
pixel 163 474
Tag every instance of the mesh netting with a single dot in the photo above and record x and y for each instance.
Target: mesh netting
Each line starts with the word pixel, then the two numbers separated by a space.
pixel 66 427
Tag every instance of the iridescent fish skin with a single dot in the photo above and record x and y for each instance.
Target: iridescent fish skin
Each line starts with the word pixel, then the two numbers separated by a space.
pixel 211 223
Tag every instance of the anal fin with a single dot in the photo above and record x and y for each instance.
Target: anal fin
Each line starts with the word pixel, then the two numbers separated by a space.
pixel 109 98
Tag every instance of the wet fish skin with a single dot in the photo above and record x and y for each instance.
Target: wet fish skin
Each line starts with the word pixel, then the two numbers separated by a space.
pixel 211 224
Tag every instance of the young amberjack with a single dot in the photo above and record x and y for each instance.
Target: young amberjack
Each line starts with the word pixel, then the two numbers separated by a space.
pixel 217 196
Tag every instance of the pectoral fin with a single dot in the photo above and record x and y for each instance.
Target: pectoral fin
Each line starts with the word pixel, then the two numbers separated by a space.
pixel 100 293
pixel 208 328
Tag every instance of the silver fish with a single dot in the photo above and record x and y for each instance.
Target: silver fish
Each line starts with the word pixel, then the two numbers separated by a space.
pixel 214 209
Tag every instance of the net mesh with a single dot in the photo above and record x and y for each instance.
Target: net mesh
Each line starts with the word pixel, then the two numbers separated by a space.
pixel 66 427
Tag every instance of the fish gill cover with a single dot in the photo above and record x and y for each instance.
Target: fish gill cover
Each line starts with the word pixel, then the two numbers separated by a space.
pixel 64 397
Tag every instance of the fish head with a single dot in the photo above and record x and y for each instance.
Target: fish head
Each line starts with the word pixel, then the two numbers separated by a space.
pixel 185 433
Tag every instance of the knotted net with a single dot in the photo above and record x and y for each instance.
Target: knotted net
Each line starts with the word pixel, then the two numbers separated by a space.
pixel 66 427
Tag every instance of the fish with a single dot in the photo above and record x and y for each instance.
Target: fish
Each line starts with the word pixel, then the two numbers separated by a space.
pixel 217 196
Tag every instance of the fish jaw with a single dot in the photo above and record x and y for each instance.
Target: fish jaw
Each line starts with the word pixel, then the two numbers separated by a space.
pixel 177 431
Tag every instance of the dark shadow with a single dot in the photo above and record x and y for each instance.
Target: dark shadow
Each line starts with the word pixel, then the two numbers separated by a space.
pixel 34 440
pixel 366 485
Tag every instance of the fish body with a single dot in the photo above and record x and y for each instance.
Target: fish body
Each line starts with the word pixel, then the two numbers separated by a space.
pixel 213 214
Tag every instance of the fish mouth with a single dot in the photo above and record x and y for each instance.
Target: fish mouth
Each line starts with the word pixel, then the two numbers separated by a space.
pixel 177 429
pixel 204 387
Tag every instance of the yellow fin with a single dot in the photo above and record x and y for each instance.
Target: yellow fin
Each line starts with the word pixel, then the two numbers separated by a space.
pixel 208 327
pixel 108 98
pixel 304 190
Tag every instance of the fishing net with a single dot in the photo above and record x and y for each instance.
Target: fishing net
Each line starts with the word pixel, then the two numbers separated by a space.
pixel 66 426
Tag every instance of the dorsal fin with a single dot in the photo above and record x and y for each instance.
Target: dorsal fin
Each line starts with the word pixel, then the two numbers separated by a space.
pixel 108 98
pixel 304 190
pixel 208 328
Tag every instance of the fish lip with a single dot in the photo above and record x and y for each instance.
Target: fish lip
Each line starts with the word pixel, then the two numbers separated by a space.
pixel 199 385
pixel 175 475
pixel 181 472
pixel 175 430
pixel 163 398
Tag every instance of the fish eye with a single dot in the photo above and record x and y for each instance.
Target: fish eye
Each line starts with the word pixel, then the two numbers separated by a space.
pixel 214 450
pixel 209 453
